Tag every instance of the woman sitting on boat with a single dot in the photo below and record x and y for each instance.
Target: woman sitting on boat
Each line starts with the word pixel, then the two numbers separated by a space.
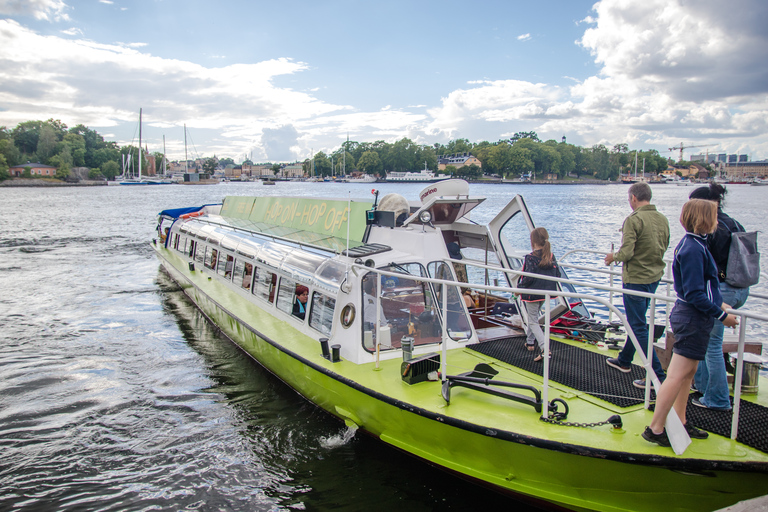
pixel 539 261
pixel 300 303
pixel 692 318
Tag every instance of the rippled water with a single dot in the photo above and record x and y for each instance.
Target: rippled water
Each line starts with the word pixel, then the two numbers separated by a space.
pixel 115 394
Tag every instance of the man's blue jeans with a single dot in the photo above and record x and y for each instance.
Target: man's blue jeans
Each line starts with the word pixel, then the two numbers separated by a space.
pixel 711 379
pixel 636 308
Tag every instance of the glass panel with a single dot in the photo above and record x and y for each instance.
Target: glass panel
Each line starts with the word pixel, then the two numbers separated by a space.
pixel 302 265
pixel 225 265
pixel 243 273
pixel 321 314
pixel 331 273
pixel 211 257
pixel 273 254
pixel 286 296
pixel 199 252
pixel 264 284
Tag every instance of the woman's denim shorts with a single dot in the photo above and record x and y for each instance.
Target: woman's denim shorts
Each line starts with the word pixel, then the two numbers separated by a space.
pixel 691 328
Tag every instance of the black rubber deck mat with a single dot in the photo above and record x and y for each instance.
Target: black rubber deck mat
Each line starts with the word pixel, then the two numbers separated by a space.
pixel 587 371
pixel 753 422
pixel 573 367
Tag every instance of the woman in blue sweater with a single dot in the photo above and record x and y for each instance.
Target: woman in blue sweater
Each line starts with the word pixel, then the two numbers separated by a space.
pixel 698 305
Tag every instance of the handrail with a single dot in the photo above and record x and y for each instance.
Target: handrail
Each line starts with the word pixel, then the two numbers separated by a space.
pixel 646 361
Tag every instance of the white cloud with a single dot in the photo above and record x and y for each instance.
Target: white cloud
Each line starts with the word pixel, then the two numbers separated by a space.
pixel 74 31
pixel 671 71
pixel 39 9
pixel 523 37
pixel 108 2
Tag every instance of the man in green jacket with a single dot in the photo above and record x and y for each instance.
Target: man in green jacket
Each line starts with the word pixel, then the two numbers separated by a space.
pixel 645 238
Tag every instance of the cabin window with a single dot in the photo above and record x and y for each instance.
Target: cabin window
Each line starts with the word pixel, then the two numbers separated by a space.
pixel 288 300
pixel 458 324
pixel 225 265
pixel 243 273
pixel 321 314
pixel 190 249
pixel 211 257
pixel 176 241
pixel 199 252
pixel 264 284
pixel 409 307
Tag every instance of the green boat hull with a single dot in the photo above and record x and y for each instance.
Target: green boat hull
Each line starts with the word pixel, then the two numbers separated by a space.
pixel 558 472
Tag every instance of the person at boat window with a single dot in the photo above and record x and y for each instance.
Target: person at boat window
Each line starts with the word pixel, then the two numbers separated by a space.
pixel 214 258
pixel 540 261
pixel 698 305
pixel 300 302
pixel 711 379
pixel 247 275
pixel 468 300
pixel 454 252
pixel 645 238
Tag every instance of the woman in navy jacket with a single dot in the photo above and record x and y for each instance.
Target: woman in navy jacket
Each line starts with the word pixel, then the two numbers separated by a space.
pixel 698 305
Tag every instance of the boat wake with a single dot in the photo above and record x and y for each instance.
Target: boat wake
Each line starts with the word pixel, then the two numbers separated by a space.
pixel 338 440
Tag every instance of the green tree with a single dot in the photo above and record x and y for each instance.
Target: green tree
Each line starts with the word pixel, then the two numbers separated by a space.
pixel 26 136
pixel 498 158
pixel 458 146
pixel 520 162
pixel 369 163
pixel 451 170
pixel 524 135
pixel 27 172
pixel 322 164
pixel 469 171
pixel 9 150
pixel 4 174
pixel 110 169
pixel 276 168
pixel 76 145
pixel 46 143
pixel 209 165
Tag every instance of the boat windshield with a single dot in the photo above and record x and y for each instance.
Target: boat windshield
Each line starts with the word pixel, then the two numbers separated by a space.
pixel 302 265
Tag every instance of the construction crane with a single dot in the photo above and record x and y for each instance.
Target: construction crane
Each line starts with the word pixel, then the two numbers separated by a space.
pixel 681 147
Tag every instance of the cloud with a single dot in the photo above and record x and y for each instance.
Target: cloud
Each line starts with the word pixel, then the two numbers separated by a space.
pixel 72 32
pixel 280 144
pixel 38 9
pixel 670 71
pixel 523 37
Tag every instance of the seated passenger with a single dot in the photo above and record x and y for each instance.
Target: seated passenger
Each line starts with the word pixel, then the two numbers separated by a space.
pixel 300 302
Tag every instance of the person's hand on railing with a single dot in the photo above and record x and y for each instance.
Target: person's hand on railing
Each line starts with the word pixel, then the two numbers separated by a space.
pixel 731 321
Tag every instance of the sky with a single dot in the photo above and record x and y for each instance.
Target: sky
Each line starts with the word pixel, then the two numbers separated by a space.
pixel 277 81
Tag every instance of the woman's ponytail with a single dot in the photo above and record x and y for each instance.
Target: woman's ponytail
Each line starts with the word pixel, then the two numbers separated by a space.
pixel 540 238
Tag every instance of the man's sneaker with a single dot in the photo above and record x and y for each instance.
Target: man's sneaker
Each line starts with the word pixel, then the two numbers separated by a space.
pixel 695 433
pixel 660 439
pixel 639 383
pixel 614 362
pixel 697 403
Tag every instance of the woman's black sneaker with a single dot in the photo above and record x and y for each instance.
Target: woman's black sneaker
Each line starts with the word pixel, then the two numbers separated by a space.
pixel 695 433
pixel 660 439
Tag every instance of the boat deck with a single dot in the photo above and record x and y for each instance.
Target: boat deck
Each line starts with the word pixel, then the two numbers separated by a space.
pixel 586 371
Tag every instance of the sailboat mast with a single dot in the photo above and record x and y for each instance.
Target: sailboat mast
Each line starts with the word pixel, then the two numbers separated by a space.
pixel 164 169
pixel 140 155
pixel 186 169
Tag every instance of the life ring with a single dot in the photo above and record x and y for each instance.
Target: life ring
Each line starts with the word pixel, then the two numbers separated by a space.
pixel 192 215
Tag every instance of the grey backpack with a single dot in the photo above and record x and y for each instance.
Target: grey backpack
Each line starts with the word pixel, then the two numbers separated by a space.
pixel 743 268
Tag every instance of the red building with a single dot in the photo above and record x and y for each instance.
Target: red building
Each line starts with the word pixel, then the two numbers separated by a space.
pixel 34 169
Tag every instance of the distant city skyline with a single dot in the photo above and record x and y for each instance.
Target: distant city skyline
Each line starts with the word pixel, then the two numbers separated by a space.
pixel 280 83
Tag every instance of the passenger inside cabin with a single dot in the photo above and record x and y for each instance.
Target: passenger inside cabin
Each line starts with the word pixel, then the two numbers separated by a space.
pixel 247 275
pixel 300 302
pixel 214 258
pixel 228 267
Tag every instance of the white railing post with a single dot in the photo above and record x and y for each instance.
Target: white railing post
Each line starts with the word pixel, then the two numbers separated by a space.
pixel 649 352
pixel 545 381
pixel 737 378
pixel 610 283
pixel 443 362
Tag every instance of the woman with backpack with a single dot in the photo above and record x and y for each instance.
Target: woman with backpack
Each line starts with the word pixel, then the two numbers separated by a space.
pixel 539 261
pixel 711 379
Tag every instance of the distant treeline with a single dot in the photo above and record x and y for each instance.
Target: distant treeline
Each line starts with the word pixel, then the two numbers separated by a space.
pixel 52 143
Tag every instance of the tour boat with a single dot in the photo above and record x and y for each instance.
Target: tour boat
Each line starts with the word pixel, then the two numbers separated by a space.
pixel 385 343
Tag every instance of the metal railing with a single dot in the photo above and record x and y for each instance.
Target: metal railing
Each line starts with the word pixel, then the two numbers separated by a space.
pixel 607 303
